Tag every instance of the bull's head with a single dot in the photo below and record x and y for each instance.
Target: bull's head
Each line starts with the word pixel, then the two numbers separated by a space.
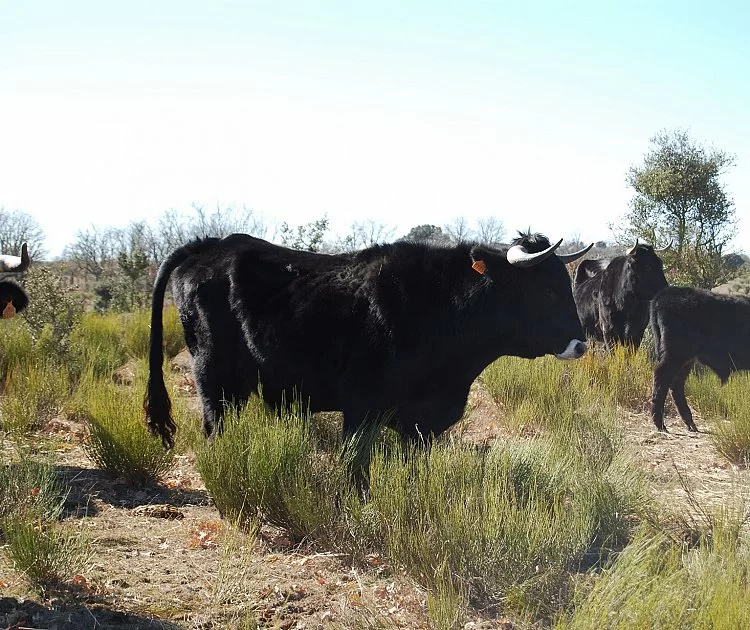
pixel 645 269
pixel 20 263
pixel 540 299
pixel 519 256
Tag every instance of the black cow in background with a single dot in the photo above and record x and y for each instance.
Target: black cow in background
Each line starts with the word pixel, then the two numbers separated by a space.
pixel 612 297
pixel 395 331
pixel 13 298
pixel 695 325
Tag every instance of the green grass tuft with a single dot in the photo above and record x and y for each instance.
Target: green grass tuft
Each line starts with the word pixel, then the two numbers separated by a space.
pixel 46 554
pixel 34 393
pixel 118 440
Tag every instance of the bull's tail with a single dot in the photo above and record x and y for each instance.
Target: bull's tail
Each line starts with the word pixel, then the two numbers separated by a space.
pixel 156 403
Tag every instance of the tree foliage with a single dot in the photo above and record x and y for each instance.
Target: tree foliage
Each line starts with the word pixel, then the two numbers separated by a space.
pixel 17 228
pixel 679 197
pixel 308 236
pixel 427 233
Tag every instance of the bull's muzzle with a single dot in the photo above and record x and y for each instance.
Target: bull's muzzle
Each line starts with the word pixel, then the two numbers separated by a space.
pixel 575 350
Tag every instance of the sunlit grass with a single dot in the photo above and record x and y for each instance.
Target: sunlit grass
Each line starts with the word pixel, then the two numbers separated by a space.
pixel 727 408
pixel 30 488
pixel 45 553
pixel 34 393
pixel 659 582
pixel 118 440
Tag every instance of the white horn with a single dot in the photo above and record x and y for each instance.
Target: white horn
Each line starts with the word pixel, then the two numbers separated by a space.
pixel 15 263
pixel 664 249
pixel 569 258
pixel 518 256
pixel 632 249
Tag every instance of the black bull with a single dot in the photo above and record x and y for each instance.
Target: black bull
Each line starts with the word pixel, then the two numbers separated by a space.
pixel 395 331
pixel 13 298
pixel 695 325
pixel 612 297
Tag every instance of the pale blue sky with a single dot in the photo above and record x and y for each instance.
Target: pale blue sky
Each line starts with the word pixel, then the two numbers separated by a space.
pixel 401 112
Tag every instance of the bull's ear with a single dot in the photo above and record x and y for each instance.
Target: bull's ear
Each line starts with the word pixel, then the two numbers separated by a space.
pixel 485 262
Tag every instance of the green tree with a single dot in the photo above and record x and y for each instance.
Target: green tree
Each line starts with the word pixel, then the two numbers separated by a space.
pixel 427 233
pixel 308 237
pixel 679 198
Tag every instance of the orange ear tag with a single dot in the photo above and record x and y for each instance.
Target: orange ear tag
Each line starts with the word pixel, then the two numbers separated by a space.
pixel 479 266
pixel 9 311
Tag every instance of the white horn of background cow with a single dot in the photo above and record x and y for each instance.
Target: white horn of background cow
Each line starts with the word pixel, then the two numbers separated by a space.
pixel 632 249
pixel 20 263
pixel 569 258
pixel 518 256
pixel 664 249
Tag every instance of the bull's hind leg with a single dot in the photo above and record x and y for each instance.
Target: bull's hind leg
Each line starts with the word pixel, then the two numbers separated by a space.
pixel 209 386
pixel 678 395
pixel 664 373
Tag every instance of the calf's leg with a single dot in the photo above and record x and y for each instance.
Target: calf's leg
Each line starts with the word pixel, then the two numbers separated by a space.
pixel 678 395
pixel 664 373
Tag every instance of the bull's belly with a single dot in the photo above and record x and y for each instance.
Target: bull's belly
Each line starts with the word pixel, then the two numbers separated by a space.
pixel 313 393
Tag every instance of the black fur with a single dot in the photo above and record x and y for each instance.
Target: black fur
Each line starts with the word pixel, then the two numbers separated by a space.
pixel 695 325
pixel 395 331
pixel 612 297
pixel 11 292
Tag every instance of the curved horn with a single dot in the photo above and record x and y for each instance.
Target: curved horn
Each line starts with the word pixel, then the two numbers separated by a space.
pixel 15 263
pixel 632 249
pixel 518 256
pixel 569 258
pixel 664 249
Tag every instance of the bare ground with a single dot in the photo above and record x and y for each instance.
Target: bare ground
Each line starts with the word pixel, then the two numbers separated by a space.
pixel 181 566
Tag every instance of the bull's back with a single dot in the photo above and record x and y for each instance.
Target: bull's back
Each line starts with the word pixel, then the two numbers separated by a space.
pixel 693 322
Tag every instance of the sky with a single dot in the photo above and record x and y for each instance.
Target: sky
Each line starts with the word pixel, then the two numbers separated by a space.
pixel 402 112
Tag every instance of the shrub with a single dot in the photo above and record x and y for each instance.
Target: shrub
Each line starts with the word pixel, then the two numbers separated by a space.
pixel 98 340
pixel 269 465
pixel 504 525
pixel 52 306
pixel 118 440
pixel 494 526
pixel 542 391
pixel 46 554
pixel 30 488
pixel 16 345
pixel 659 582
pixel 34 393
pixel 727 409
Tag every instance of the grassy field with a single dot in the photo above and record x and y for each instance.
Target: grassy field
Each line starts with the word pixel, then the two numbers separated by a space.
pixel 554 503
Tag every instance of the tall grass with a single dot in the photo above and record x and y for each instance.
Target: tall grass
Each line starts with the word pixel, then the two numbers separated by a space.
pixel 658 582
pixel 17 346
pixel 502 526
pixel 45 553
pixel 29 488
pixel 106 341
pixel 728 410
pixel 137 328
pixel 118 440
pixel 268 465
pixel 99 342
pixel 31 502
pixel 34 393
pixel 509 523
pixel 541 391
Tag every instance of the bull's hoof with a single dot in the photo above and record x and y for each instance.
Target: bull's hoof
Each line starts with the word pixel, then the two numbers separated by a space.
pixel 661 428
pixel 692 427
